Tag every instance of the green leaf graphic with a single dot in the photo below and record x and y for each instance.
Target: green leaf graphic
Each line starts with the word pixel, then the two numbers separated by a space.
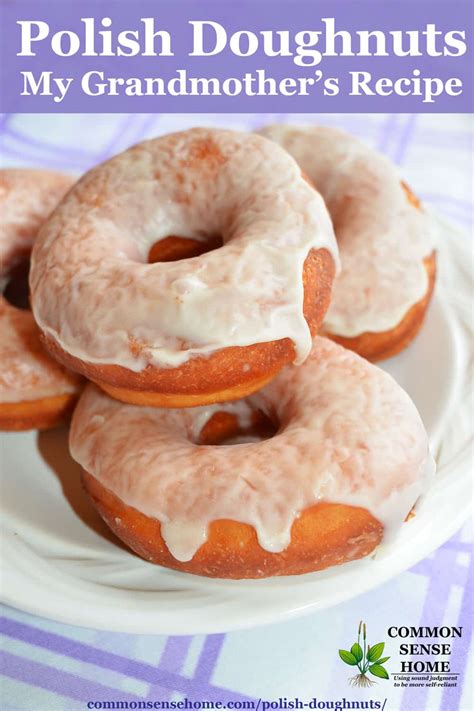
pixel 356 651
pixel 347 657
pixel 379 670
pixel 383 660
pixel 375 652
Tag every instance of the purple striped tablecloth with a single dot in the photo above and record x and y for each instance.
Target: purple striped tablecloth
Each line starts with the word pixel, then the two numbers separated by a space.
pixel 54 667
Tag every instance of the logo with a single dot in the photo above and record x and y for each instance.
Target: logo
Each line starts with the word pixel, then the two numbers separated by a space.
pixel 368 660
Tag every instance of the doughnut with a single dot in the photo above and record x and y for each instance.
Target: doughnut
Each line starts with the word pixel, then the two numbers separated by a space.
pixel 35 392
pixel 388 264
pixel 344 460
pixel 185 271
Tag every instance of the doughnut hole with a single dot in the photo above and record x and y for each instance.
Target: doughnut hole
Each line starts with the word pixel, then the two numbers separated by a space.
pixel 173 249
pixel 16 290
pixel 224 428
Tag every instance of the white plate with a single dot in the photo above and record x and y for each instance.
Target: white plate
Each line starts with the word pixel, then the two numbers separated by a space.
pixel 60 561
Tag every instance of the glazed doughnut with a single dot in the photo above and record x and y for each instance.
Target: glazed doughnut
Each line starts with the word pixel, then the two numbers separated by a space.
pixel 213 327
pixel 385 240
pixel 35 392
pixel 348 460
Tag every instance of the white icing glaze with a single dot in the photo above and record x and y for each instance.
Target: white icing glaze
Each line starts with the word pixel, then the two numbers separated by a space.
pixel 382 238
pixel 95 294
pixel 27 197
pixel 348 434
pixel 27 373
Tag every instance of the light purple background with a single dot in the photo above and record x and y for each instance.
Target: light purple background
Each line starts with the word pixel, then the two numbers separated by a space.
pixel 173 15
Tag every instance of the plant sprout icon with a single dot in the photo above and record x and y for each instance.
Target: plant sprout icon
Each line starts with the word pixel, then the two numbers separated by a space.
pixel 369 659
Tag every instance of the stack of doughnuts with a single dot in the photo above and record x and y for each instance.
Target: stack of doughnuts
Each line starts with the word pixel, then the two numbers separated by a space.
pixel 196 281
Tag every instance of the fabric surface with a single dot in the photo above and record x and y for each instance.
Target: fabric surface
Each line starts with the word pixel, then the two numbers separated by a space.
pixel 53 667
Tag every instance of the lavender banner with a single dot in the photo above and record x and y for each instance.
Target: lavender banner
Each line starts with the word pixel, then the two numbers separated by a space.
pixel 209 56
